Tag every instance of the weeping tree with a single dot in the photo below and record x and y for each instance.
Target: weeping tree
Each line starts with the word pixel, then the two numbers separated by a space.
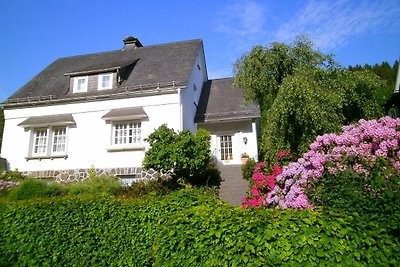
pixel 303 93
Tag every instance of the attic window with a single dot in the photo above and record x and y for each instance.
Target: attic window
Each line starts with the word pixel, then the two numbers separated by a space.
pixel 80 84
pixel 105 81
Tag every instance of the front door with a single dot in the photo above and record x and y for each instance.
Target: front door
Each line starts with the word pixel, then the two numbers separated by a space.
pixel 225 148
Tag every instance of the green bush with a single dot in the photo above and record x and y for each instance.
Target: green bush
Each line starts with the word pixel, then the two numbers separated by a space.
pixel 184 153
pixel 96 185
pixel 374 195
pixel 153 187
pixel 35 188
pixel 248 169
pixel 211 177
pixel 186 228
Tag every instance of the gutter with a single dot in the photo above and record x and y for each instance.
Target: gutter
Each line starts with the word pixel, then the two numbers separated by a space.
pixel 159 89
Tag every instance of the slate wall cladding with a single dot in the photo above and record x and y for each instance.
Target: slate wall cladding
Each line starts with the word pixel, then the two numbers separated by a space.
pixel 68 176
pixel 73 176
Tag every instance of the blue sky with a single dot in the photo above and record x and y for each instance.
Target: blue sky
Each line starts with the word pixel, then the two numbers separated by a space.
pixel 35 33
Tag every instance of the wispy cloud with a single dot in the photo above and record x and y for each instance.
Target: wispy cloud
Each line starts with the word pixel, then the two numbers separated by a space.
pixel 334 23
pixel 242 20
pixel 330 24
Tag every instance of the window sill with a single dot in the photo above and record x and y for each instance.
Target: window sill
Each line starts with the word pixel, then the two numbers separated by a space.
pixel 46 157
pixel 125 148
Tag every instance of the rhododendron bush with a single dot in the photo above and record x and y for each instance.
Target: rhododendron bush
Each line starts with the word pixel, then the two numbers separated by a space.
pixel 360 148
pixel 264 180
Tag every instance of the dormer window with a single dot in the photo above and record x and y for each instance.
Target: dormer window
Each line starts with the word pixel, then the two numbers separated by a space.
pixel 80 84
pixel 105 81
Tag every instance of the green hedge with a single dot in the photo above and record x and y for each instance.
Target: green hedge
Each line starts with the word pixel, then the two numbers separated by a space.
pixel 186 228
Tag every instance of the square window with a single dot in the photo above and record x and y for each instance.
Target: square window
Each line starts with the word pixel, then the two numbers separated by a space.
pixel 80 84
pixel 105 81
pixel 59 140
pixel 40 141
pixel 126 133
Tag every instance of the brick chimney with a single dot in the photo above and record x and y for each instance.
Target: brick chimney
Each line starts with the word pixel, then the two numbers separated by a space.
pixel 131 42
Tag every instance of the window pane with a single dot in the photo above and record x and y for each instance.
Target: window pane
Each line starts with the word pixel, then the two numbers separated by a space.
pixel 81 84
pixel 40 141
pixel 226 147
pixel 105 82
pixel 127 133
pixel 59 139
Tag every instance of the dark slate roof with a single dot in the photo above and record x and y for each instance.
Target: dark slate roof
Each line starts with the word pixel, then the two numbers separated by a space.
pixel 154 65
pixel 219 100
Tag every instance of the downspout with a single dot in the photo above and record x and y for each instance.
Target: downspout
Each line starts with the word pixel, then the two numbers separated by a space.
pixel 180 109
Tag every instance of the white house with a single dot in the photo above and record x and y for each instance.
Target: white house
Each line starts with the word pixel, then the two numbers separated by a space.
pixel 96 110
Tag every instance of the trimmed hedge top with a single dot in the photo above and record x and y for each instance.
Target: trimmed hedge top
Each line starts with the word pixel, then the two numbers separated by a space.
pixel 186 228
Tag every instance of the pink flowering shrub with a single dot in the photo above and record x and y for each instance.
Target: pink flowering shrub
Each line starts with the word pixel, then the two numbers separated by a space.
pixel 263 181
pixel 358 148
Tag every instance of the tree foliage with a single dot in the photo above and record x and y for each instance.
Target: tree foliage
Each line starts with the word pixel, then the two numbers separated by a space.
pixel 187 154
pixel 263 69
pixel 303 93
pixel 385 72
pixel 388 74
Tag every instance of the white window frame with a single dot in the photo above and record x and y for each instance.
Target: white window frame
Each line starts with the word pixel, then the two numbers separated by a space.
pixel 59 138
pixel 51 134
pixel 76 84
pixel 100 81
pixel 128 140
pixel 35 140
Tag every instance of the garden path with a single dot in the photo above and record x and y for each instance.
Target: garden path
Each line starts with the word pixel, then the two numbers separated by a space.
pixel 233 186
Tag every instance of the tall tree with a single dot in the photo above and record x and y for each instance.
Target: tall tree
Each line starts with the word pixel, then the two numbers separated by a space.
pixel 303 93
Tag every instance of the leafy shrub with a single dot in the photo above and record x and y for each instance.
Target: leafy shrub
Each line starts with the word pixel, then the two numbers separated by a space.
pixel 184 153
pixel 35 188
pixel 353 192
pixel 248 169
pixel 186 228
pixel 10 175
pixel 153 187
pixel 211 177
pixel 96 185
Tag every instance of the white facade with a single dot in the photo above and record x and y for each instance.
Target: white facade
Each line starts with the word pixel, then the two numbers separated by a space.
pixel 89 140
